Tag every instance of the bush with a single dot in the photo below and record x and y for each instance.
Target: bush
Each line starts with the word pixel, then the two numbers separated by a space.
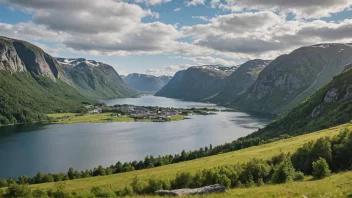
pixel 284 172
pixel 223 180
pixel 39 193
pixel 183 180
pixel 126 191
pixel 15 190
pixel 299 176
pixel 320 169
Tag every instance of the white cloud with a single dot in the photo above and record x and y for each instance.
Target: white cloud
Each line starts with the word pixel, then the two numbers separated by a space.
pixel 152 2
pixel 302 8
pixel 204 18
pixel 195 2
pixel 207 60
pixel 214 3
pixel 168 70
pixel 177 9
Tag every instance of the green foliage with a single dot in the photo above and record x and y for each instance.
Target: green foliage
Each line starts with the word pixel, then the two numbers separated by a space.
pixel 298 176
pixel 32 96
pixel 15 190
pixel 37 193
pixel 284 172
pixel 223 180
pixel 320 169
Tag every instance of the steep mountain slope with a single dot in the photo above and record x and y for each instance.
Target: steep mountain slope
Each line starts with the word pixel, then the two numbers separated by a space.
pixel 291 78
pixel 331 105
pixel 196 83
pixel 95 79
pixel 146 83
pixel 240 80
pixel 32 83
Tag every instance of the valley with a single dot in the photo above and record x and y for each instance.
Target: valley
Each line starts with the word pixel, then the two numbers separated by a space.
pixel 75 127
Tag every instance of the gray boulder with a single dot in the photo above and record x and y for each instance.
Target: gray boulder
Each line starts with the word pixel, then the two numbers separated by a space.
pixel 217 188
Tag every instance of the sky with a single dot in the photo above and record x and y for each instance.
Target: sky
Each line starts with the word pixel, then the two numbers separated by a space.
pixel 161 37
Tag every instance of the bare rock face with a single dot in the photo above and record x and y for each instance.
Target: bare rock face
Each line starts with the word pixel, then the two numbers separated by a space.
pixel 317 110
pixel 217 188
pixel 21 56
pixel 332 95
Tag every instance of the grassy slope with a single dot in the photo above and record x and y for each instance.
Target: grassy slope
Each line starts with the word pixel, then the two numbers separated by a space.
pixel 169 171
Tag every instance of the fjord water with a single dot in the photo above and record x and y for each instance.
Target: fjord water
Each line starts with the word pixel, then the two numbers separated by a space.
pixel 56 148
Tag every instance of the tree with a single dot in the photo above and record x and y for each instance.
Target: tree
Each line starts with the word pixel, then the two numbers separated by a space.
pixel 284 172
pixel 320 168
pixel 15 190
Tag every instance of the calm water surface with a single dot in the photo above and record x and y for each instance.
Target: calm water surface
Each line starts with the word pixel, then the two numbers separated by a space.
pixel 56 148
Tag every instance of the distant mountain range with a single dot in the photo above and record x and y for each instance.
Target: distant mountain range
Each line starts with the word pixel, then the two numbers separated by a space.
pixel 196 83
pixel 263 86
pixel 95 79
pixel 146 83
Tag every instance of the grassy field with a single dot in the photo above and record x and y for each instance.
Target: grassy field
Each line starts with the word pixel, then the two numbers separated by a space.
pixel 263 151
pixel 69 118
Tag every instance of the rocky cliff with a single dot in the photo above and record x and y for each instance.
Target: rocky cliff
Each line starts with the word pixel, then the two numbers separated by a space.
pixel 331 105
pixel 290 79
pixel 21 56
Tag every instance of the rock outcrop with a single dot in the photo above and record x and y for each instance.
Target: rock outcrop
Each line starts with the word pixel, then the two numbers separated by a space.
pixel 290 79
pixel 217 188
pixel 21 56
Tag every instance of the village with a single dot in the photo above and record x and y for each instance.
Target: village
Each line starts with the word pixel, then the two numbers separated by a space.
pixel 154 113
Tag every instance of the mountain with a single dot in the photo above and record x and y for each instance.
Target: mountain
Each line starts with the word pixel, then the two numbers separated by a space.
pixel 240 80
pixel 146 83
pixel 196 83
pixel 95 79
pixel 33 83
pixel 330 106
pixel 291 78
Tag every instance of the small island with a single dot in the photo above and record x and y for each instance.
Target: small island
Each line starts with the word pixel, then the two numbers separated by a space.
pixel 128 113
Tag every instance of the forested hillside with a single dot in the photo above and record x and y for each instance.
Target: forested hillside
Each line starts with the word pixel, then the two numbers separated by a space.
pixel 33 83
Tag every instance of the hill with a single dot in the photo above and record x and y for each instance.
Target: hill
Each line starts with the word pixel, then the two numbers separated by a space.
pixel 33 83
pixel 329 106
pixel 95 79
pixel 240 80
pixel 146 83
pixel 265 151
pixel 196 83
pixel 291 78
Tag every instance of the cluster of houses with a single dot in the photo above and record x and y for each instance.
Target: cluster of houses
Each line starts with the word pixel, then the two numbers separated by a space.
pixel 147 113
pixel 96 110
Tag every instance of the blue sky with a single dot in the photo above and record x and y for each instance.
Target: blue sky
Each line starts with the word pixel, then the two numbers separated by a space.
pixel 160 37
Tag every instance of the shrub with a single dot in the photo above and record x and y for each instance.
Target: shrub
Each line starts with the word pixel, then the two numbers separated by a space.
pixel 223 180
pixel 182 180
pixel 39 193
pixel 284 172
pixel 137 187
pixel 299 176
pixel 320 168
pixel 155 184
pixel 15 190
